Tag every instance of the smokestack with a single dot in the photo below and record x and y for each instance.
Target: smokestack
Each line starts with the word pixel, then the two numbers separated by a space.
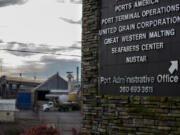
pixel 77 74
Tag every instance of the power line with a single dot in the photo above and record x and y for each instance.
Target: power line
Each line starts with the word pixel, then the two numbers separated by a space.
pixel 36 52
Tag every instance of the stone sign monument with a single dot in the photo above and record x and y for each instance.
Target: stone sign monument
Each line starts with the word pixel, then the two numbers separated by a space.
pixel 139 49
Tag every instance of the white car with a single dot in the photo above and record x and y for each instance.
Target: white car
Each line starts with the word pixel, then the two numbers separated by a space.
pixel 48 106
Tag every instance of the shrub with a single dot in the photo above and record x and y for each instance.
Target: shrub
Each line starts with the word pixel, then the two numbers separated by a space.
pixel 41 130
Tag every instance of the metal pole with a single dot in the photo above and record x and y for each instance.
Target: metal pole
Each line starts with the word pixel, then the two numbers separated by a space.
pixel 77 74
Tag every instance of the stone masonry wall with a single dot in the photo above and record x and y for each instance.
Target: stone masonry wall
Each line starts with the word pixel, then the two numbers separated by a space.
pixel 119 115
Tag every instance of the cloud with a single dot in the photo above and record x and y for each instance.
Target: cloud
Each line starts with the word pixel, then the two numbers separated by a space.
pixel 76 1
pixel 1 41
pixel 75 46
pixel 61 1
pixel 29 49
pixel 4 3
pixel 71 21
pixel 46 65
pixel 43 71
pixel 27 69
pixel 71 1
pixel 53 65
pixel 78 42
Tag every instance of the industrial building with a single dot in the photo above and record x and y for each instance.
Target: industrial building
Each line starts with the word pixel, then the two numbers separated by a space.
pixel 10 85
pixel 54 82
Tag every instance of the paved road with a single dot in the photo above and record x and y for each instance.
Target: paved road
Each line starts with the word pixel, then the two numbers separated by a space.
pixel 61 120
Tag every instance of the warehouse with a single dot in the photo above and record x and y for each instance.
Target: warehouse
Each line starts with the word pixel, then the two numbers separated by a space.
pixel 10 85
pixel 54 82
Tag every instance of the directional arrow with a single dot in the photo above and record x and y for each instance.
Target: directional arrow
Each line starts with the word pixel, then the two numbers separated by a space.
pixel 173 67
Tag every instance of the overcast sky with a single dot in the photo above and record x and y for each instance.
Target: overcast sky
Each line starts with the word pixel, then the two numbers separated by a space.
pixel 49 26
